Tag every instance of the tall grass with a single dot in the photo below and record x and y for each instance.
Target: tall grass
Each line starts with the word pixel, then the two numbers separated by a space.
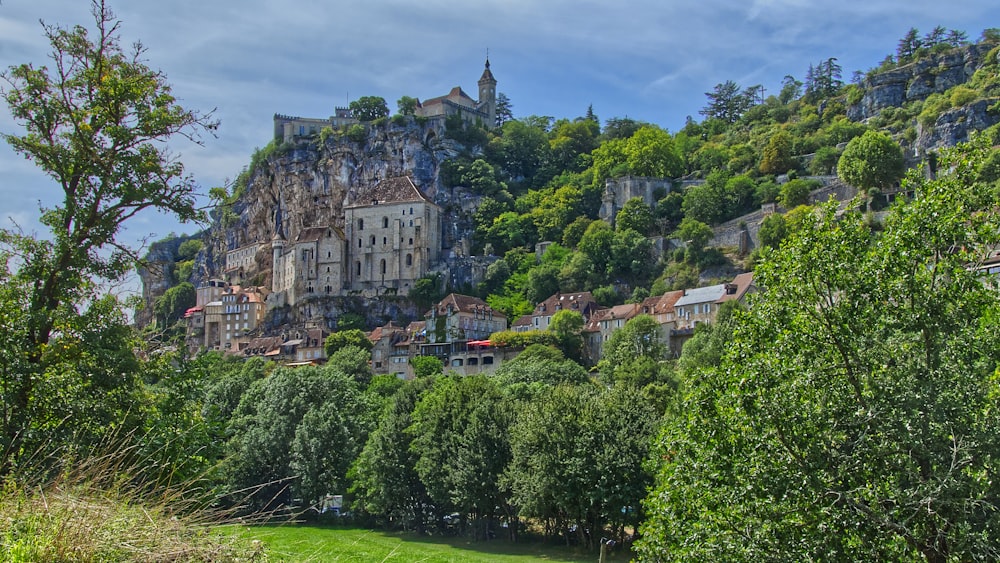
pixel 100 508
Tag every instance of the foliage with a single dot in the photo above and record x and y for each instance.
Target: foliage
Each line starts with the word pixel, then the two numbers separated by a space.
pixel 460 430
pixel 727 102
pixel 344 338
pixel 294 434
pixel 426 366
pixel 174 302
pixel 777 155
pixel 854 416
pixel 773 230
pixel 872 160
pixel 522 339
pixel 640 337
pixel 369 108
pixel 406 105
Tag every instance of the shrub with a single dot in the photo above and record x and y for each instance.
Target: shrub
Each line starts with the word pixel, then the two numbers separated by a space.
pixel 962 95
pixel 934 106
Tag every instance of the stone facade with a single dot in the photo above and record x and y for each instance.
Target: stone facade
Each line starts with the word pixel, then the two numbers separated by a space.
pixel 394 235
pixel 617 191
pixel 456 102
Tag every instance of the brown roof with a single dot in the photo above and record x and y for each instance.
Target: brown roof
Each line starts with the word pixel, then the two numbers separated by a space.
pixel 455 94
pixel 582 301
pixel 312 234
pixel 662 304
pixel 391 190
pixel 524 320
pixel 736 289
pixel 462 304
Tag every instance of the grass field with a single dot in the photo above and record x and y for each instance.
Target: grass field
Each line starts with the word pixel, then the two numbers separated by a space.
pixel 321 544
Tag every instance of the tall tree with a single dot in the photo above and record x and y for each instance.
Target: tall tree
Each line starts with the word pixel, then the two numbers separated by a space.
pixel 872 161
pixel 854 414
pixel 95 123
pixel 505 109
pixel 727 102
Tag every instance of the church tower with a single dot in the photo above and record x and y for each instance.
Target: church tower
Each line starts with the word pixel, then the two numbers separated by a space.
pixel 488 95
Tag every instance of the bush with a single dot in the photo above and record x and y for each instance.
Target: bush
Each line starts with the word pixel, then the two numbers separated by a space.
pixel 934 106
pixel 962 96
pixel 357 133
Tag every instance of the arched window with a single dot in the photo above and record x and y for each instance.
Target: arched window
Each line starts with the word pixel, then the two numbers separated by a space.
pixel 385 222
pixel 358 267
pixel 385 241
pixel 373 240
pixel 382 266
pixel 409 259
pixel 359 243
pixel 361 224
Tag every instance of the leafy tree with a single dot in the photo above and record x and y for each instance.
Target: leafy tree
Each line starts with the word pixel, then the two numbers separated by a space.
pixel 871 161
pixel 352 361
pixel 294 435
pixel 695 233
pixel 773 230
pixel 369 108
pixel 632 257
pixel 95 123
pixel 795 192
pixel 651 152
pixel 521 151
pixel 790 89
pixel 407 105
pixel 635 215
pixel 708 202
pixel 824 161
pixel 567 325
pixel 460 433
pixel 349 320
pixel 854 416
pixel 426 366
pixel 543 281
pixel 639 337
pixel 174 302
pixel 344 338
pixel 426 291
pixel 384 476
pixel 596 244
pixel 777 156
pixel 189 249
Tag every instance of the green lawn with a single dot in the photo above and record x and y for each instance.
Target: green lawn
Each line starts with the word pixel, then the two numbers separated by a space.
pixel 315 543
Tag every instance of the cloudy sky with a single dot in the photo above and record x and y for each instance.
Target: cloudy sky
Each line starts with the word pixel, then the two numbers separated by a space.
pixel 651 60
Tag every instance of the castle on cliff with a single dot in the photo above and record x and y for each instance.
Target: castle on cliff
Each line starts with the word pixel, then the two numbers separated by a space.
pixel 455 102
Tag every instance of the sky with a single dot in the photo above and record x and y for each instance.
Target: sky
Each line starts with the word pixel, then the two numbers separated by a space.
pixel 650 60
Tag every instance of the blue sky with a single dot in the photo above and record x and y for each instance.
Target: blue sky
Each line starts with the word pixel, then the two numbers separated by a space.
pixel 651 60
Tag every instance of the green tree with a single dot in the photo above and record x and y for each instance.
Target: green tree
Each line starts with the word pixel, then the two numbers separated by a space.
pixel 596 245
pixel 773 230
pixel 174 302
pixel 640 337
pixel 407 105
pixel 426 366
pixel 635 215
pixel 505 109
pixel 777 156
pixel 853 417
pixel 369 108
pixel 95 123
pixel 727 102
pixel 871 161
pixel 567 325
pixel 344 338
pixel 384 476
pixel 651 152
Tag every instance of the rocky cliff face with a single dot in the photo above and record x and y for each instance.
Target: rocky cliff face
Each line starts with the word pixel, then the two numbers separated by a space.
pixel 918 80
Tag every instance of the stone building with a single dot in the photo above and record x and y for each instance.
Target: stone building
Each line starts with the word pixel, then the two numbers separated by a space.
pixel 455 102
pixel 229 320
pixel 458 102
pixel 393 235
pixel 617 191
pixel 312 263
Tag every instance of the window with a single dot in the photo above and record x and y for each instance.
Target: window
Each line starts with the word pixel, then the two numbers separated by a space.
pixel 473 361
pixel 373 240
pixel 409 259
pixel 385 222
pixel 411 211
pixel 359 243
pixel 361 224
pixel 385 241
pixel 358 267
pixel 411 222
pixel 487 360
pixel 457 362
pixel 382 266
pixel 411 241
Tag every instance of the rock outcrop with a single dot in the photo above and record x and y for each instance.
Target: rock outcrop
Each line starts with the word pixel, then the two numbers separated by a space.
pixel 917 80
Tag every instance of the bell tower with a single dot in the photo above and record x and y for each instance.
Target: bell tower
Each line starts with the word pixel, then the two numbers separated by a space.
pixel 488 95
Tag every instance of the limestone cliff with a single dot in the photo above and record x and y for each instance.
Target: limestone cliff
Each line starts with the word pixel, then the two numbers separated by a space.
pixel 918 80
